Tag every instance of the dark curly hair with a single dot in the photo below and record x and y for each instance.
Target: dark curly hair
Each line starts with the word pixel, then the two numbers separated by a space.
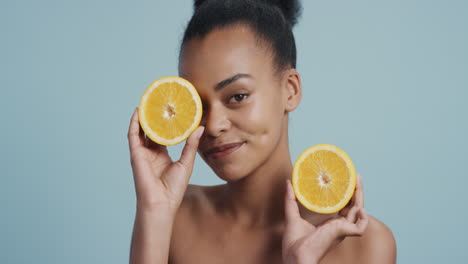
pixel 271 21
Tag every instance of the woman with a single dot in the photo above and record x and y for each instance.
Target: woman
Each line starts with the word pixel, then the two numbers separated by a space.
pixel 241 57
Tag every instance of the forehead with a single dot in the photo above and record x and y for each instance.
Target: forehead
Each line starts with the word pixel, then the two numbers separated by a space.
pixel 224 52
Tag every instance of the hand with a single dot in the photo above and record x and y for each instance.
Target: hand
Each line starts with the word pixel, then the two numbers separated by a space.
pixel 159 182
pixel 305 243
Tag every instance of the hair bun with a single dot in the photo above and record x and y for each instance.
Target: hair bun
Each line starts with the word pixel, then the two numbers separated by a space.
pixel 291 9
pixel 198 3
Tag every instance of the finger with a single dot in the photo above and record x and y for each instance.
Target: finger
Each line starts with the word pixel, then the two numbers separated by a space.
pixel 135 138
pixel 352 214
pixel 363 220
pixel 291 208
pixel 357 229
pixel 359 200
pixel 190 149
pixel 344 212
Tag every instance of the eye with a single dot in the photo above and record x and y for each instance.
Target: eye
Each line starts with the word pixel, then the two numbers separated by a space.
pixel 238 98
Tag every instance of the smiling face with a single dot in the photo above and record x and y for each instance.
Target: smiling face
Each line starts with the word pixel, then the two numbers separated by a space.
pixel 245 100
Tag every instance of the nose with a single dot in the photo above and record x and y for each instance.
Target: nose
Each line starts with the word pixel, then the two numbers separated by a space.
pixel 215 120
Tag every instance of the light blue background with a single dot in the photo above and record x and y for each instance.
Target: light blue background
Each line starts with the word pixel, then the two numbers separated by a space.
pixel 384 80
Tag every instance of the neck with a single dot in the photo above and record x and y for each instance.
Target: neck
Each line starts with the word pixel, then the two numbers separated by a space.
pixel 257 199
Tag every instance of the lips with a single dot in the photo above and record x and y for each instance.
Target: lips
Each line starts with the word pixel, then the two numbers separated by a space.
pixel 223 147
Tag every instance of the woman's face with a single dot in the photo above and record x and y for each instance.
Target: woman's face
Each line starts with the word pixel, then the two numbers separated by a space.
pixel 243 100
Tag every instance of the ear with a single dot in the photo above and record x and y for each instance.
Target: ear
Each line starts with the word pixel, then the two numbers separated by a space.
pixel 293 90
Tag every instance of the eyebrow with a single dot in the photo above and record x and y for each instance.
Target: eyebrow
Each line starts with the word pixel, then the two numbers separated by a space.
pixel 230 80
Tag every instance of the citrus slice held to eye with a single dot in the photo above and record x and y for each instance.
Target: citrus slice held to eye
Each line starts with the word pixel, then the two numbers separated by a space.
pixel 170 110
pixel 324 178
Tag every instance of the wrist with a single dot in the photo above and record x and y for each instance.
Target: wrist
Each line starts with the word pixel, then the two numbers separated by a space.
pixel 156 211
pixel 298 258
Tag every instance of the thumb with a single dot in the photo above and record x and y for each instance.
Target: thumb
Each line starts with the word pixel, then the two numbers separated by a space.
pixel 190 149
pixel 291 209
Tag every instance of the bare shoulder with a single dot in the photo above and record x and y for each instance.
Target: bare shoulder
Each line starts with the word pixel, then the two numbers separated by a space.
pixel 188 220
pixel 197 203
pixel 193 219
pixel 377 244
pixel 193 196
pixel 197 196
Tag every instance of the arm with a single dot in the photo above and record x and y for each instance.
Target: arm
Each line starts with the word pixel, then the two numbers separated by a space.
pixel 151 236
pixel 160 185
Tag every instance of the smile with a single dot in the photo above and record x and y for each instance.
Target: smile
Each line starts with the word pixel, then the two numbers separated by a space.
pixel 225 152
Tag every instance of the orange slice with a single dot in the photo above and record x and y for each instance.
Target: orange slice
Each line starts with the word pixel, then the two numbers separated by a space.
pixel 324 178
pixel 170 110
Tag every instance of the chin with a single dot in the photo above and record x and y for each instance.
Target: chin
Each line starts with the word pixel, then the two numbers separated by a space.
pixel 231 178
pixel 229 173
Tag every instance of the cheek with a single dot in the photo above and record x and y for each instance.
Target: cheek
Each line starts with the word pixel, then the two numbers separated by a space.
pixel 260 121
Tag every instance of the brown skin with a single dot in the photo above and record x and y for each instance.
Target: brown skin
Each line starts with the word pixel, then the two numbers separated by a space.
pixel 244 221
